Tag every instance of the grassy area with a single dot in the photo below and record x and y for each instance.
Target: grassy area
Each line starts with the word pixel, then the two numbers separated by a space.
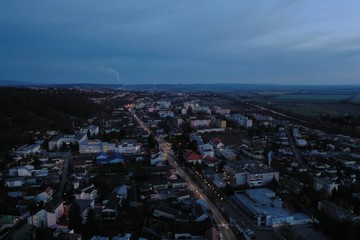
pixel 308 110
pixel 315 98
pixel 356 99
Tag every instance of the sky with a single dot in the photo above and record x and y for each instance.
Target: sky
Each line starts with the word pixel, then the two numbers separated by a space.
pixel 187 41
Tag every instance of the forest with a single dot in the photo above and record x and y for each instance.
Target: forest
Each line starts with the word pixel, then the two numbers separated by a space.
pixel 26 111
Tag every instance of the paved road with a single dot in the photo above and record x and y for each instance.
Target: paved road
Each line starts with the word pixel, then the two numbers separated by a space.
pixel 293 147
pixel 64 176
pixel 221 222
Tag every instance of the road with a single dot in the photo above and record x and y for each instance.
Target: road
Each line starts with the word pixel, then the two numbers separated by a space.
pixel 64 176
pixel 293 147
pixel 221 222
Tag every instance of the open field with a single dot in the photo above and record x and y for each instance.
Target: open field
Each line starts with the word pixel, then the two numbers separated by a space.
pixel 356 99
pixel 307 110
pixel 315 98
pixel 313 104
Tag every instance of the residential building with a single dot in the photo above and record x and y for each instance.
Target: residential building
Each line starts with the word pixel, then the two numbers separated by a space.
pixel 254 175
pixel 92 130
pixel 109 158
pixel 87 192
pixel 38 219
pixel 206 150
pixel 58 141
pixel 242 120
pixel 217 143
pixel 326 184
pixel 96 146
pixel 198 123
pixel 54 210
pixel 14 182
pixel 128 147
pixel 221 111
pixel 110 207
pixel 28 149
pixel 193 158
pixel 157 159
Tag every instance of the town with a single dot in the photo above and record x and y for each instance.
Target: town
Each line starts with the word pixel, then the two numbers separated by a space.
pixel 180 165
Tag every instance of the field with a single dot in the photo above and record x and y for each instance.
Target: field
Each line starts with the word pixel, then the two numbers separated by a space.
pixel 314 98
pixel 308 110
pixel 356 99
pixel 313 104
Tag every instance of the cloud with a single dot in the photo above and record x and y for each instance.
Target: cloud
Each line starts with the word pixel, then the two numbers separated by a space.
pixel 183 41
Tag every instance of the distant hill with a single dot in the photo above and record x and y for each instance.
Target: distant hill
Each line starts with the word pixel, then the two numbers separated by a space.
pixel 9 83
pixel 214 87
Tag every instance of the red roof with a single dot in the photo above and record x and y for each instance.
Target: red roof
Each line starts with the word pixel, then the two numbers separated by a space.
pixel 193 157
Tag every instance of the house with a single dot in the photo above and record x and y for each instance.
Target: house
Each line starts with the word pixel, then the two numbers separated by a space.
pixel 57 142
pixel 228 154
pixel 165 114
pixel 93 130
pixel 199 213
pixel 210 162
pixel 121 191
pixel 109 158
pixel 111 206
pixel 54 210
pixel 212 234
pixel 197 138
pixel 181 196
pixel 178 183
pixel 193 158
pixel 157 159
pixel 220 123
pixel 90 146
pixel 217 143
pixel 84 205
pixel 28 149
pixel 254 175
pixel 44 196
pixel 88 192
pixel 38 219
pixel 160 185
pixel 326 184
pixel 21 171
pixel 197 123
pixel 110 129
pixel 96 146
pixel 14 182
pixel 221 111
pixel 128 147
pixel 242 120
pixel 206 150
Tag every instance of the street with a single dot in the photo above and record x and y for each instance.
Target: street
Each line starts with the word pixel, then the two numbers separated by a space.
pixel 221 222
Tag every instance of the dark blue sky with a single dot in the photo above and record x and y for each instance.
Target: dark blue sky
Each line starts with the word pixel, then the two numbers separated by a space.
pixel 187 41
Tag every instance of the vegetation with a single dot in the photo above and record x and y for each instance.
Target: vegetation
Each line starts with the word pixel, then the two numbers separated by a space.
pixel 27 111
pixel 312 97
